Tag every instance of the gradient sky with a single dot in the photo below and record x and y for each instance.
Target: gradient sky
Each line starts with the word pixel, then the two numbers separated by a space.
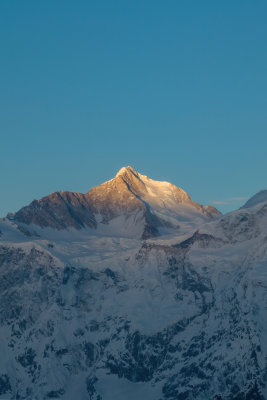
pixel 176 89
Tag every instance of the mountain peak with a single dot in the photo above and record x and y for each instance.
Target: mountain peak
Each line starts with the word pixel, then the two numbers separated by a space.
pixel 129 200
pixel 126 170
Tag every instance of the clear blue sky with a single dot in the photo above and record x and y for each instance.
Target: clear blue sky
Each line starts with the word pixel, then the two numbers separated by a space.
pixel 177 89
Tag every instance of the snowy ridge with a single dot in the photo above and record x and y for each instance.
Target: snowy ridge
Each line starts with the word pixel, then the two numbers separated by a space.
pixel 258 198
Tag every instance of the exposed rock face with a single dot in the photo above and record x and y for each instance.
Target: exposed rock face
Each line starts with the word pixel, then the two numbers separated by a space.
pixel 131 196
pixel 60 210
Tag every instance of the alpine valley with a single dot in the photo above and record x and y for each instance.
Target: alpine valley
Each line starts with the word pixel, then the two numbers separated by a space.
pixel 132 291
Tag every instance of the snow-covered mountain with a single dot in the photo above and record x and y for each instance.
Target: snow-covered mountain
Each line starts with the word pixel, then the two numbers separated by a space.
pixel 130 205
pixel 93 308
pixel 258 198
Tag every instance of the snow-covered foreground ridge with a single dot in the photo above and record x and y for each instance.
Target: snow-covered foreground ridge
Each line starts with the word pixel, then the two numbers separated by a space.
pixel 133 291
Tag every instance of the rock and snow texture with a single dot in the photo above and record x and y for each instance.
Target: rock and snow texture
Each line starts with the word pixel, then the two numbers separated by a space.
pixel 95 317
pixel 260 197
pixel 129 200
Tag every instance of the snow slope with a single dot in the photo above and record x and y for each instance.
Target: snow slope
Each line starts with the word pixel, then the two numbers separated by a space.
pixel 258 198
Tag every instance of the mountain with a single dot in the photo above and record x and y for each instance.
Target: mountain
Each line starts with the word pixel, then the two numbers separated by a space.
pixel 258 198
pixel 130 205
pixel 86 313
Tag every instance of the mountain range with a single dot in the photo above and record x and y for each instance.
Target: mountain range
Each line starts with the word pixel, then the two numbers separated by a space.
pixel 133 291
